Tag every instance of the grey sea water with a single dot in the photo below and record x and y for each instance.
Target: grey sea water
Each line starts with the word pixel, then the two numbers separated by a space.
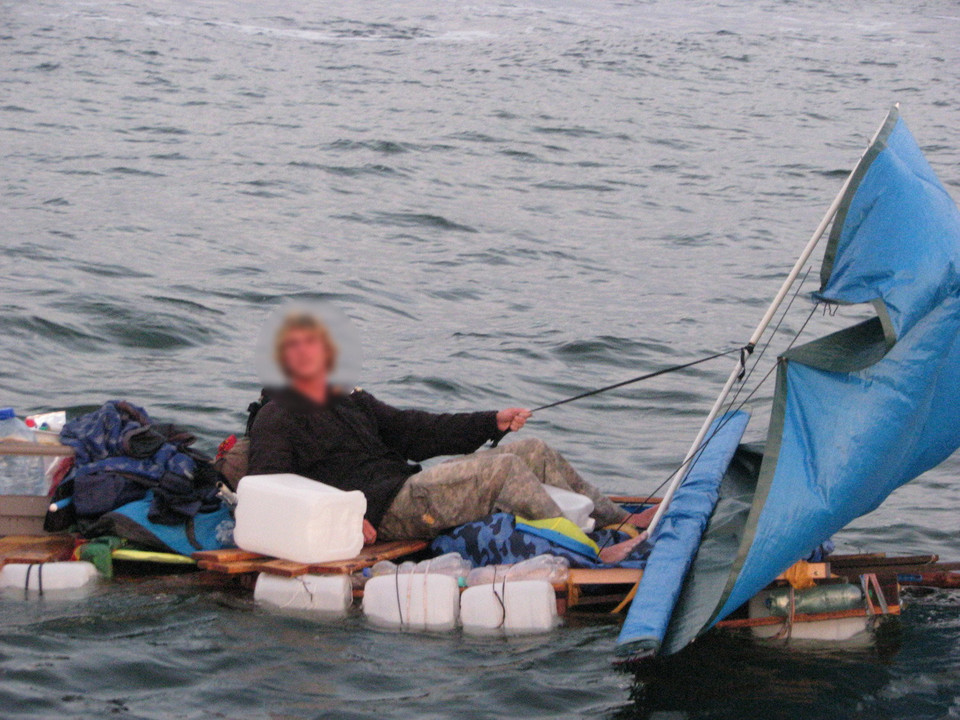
pixel 514 201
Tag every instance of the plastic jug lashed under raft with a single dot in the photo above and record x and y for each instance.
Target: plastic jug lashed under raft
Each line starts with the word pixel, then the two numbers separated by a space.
pixel 322 595
pixel 515 608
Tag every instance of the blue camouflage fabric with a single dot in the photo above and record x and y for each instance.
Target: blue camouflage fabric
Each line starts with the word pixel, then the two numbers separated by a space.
pixel 121 454
pixel 495 540
pixel 98 439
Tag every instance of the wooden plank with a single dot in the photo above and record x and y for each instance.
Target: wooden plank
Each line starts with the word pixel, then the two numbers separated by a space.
pixel 35 549
pixel 841 557
pixel 370 556
pixel 231 568
pixel 284 568
pixel 888 571
pixel 604 576
pixel 20 447
pixel 858 561
pixel 800 617
pixel 234 561
pixel 228 555
pixel 635 500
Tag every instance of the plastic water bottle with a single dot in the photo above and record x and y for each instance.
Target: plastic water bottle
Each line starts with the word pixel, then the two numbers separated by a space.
pixel 19 474
pixel 451 564
pixel 548 568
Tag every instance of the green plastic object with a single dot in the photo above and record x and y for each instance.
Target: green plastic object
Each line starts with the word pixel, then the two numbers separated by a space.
pixel 820 599
pixel 98 551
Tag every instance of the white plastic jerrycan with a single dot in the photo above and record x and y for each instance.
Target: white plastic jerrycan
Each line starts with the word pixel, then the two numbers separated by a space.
pixel 418 601
pixel 324 595
pixel 515 608
pixel 48 578
pixel 294 518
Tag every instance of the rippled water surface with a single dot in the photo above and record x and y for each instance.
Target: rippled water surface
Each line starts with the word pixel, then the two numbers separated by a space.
pixel 513 200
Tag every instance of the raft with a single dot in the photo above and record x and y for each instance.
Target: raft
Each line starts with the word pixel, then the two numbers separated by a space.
pixel 585 592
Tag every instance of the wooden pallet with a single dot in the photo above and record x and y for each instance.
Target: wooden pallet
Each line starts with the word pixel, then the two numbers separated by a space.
pixel 233 562
pixel 35 548
pixel 36 449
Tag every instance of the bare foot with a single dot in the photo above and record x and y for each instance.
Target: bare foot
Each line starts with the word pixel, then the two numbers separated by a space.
pixel 642 519
pixel 618 553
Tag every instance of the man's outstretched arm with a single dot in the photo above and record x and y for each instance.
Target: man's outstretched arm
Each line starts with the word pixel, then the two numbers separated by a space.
pixel 419 435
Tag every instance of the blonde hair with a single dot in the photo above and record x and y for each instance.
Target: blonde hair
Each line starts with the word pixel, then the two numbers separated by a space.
pixel 302 321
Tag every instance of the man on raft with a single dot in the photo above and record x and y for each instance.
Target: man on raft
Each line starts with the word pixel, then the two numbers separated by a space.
pixel 353 441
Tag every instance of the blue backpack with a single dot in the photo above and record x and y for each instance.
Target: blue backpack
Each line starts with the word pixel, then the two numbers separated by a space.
pixel 205 531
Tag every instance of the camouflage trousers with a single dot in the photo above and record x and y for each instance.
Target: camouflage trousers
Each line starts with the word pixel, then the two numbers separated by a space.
pixel 503 479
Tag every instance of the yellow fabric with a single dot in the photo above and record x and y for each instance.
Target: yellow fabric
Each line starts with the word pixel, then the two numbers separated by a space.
pixel 148 556
pixel 562 526
pixel 626 528
pixel 799 576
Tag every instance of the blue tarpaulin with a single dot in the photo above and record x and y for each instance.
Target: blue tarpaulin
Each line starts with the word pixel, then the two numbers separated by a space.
pixel 863 411
pixel 860 412
pixel 676 538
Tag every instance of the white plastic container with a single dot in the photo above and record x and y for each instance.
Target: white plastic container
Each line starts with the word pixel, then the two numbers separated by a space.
pixel 20 474
pixel 412 601
pixel 326 595
pixel 516 608
pixel 574 506
pixel 51 577
pixel 294 518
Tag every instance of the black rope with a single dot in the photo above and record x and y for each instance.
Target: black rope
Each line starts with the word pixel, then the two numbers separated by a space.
pixel 745 379
pixel 26 583
pixel 396 583
pixel 727 415
pixel 655 373
pixel 500 598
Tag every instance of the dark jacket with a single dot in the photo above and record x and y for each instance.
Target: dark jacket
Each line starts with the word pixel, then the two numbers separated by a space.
pixel 356 442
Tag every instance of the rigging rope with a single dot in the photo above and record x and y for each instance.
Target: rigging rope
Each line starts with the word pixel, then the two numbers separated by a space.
pixel 639 378
pixel 727 414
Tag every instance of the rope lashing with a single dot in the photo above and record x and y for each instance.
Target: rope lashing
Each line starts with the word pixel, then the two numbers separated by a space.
pixel 744 352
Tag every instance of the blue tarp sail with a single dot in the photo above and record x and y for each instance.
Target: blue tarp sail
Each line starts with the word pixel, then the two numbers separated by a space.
pixel 676 538
pixel 858 413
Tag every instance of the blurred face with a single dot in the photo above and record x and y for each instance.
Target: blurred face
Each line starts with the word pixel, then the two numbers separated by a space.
pixel 303 356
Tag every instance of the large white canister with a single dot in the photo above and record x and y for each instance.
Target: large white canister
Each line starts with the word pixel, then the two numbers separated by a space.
pixel 294 518
pixel 516 608
pixel 326 595
pixel 51 577
pixel 574 506
pixel 412 601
